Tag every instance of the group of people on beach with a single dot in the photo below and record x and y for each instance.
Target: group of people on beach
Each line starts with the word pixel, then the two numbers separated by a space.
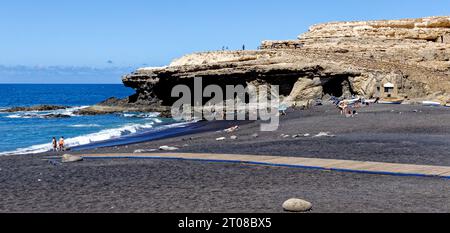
pixel 58 145
pixel 348 108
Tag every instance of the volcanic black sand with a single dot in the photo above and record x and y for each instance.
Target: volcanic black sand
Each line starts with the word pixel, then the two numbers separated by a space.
pixel 383 133
pixel 380 133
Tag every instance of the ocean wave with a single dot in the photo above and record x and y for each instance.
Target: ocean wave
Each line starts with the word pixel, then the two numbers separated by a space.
pixel 141 115
pixel 69 111
pixel 102 135
pixel 60 113
pixel 14 116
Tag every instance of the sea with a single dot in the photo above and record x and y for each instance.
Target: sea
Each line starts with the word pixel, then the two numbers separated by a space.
pixel 32 132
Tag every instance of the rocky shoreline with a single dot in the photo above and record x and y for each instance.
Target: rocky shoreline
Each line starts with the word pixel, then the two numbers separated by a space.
pixel 34 108
pixel 114 105
pixel 109 106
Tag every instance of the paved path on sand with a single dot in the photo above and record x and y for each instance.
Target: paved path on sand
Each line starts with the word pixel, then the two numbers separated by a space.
pixel 307 163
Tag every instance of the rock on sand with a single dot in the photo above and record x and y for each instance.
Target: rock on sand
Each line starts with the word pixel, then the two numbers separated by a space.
pixel 168 148
pixel 297 205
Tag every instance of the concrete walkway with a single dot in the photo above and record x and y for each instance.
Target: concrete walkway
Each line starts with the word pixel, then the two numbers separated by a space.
pixel 306 163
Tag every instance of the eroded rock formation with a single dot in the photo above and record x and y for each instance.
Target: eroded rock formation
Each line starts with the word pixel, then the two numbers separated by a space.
pixel 413 54
pixel 332 59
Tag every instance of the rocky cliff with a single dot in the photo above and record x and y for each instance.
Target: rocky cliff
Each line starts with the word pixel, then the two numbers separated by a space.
pixel 332 59
pixel 412 53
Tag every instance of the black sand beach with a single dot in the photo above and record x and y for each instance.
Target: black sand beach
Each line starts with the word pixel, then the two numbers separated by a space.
pixel 176 186
pixel 382 133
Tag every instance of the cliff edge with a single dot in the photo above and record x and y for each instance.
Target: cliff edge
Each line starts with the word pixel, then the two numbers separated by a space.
pixel 405 59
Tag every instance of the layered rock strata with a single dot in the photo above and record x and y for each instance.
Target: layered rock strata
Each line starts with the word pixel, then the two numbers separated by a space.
pixel 333 59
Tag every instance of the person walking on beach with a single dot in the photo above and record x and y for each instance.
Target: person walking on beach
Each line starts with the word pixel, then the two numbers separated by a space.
pixel 54 144
pixel 61 144
pixel 342 106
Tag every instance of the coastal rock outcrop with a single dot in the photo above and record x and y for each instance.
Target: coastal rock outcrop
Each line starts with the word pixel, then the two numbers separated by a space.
pixel 333 59
pixel 34 108
pixel 114 105
pixel 280 68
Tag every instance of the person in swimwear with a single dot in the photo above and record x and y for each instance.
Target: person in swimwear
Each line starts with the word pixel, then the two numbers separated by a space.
pixel 61 144
pixel 342 106
pixel 54 144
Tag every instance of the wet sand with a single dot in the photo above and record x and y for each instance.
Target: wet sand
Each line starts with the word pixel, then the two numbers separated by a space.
pixel 382 133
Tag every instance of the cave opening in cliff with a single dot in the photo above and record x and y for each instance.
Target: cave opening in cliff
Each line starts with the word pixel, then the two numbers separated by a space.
pixel 283 81
pixel 338 86
pixel 163 91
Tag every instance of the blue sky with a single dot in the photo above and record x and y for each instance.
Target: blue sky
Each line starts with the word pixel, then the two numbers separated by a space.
pixel 133 32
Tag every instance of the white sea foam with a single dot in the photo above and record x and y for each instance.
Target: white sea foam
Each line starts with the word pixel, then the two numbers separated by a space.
pixel 68 111
pixel 14 116
pixel 45 114
pixel 141 115
pixel 94 137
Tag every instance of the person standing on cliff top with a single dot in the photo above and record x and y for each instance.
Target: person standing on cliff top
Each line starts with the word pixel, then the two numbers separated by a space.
pixel 243 47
